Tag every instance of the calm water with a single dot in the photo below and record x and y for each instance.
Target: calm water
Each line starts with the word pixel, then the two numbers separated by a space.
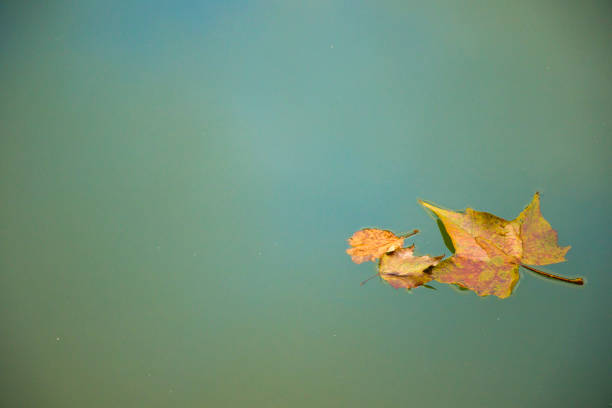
pixel 178 183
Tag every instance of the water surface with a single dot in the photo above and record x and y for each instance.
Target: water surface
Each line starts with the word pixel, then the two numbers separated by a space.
pixel 178 182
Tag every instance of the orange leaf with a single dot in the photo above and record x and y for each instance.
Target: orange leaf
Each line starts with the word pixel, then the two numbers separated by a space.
pixel 369 244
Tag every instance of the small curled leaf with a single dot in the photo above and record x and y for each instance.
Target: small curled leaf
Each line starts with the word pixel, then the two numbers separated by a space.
pixel 401 269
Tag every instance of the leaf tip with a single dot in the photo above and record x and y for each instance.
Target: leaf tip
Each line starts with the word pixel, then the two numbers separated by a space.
pixel 427 205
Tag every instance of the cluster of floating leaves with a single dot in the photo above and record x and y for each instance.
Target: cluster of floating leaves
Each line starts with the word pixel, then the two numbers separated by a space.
pixel 488 251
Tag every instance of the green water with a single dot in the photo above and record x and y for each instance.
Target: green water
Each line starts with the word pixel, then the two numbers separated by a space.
pixel 178 181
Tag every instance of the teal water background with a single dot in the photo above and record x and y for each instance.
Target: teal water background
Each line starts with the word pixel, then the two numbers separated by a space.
pixel 178 181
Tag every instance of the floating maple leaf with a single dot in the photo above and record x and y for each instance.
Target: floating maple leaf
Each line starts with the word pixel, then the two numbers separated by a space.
pixel 369 244
pixel 489 249
pixel 401 269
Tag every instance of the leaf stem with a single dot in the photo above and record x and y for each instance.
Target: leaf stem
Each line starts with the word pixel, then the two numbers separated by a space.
pixel 575 281
pixel 371 277
pixel 416 231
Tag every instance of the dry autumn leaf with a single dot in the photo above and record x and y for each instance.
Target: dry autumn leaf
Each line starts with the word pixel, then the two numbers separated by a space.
pixel 401 269
pixel 489 249
pixel 370 244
